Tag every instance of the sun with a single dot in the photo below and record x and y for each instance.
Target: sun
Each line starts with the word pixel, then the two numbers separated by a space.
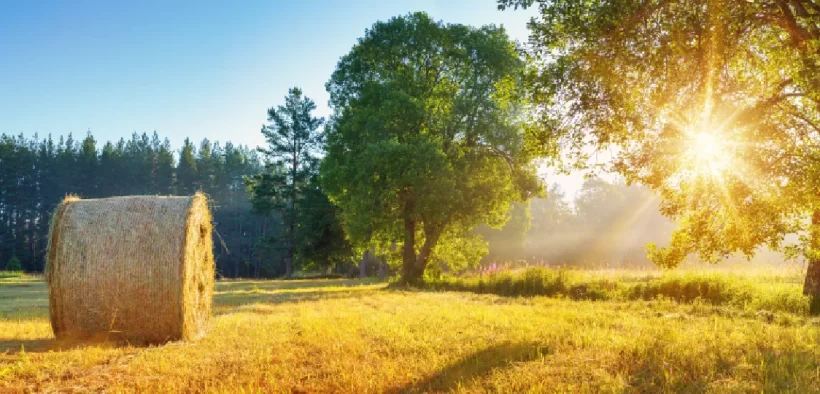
pixel 707 153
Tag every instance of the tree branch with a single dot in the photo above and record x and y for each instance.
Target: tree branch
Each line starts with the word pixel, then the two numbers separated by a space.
pixel 643 12
pixel 789 22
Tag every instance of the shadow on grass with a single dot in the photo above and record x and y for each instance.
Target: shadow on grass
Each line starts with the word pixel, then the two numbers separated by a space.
pixel 233 301
pixel 266 284
pixel 476 365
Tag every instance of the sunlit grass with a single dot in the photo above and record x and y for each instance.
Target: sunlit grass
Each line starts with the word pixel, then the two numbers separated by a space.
pixel 336 336
pixel 751 292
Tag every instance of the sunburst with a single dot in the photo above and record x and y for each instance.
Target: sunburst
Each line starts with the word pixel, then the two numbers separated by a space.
pixel 708 153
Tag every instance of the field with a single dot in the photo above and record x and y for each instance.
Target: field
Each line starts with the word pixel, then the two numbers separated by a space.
pixel 309 336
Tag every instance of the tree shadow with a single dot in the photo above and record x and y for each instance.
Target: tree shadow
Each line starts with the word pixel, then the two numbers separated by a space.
pixel 478 364
pixel 278 284
pixel 231 302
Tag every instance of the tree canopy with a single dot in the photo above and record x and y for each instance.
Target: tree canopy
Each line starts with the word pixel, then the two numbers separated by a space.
pixel 713 104
pixel 429 136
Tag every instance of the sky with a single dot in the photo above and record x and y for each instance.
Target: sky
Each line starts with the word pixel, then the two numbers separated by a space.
pixel 204 69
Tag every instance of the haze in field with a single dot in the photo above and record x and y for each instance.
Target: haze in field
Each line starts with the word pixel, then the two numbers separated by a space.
pixel 606 224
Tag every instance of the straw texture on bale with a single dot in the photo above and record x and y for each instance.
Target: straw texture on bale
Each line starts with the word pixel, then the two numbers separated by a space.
pixel 136 268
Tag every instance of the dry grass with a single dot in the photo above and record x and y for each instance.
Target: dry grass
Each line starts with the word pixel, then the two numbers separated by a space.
pixel 339 336
pixel 115 261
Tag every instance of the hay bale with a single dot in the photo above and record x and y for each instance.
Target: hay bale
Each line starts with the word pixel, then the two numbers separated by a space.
pixel 137 268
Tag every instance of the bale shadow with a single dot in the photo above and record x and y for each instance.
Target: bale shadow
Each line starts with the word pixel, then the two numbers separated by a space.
pixel 478 364
pixel 16 346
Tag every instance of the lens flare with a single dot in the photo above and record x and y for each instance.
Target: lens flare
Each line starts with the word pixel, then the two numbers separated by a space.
pixel 707 154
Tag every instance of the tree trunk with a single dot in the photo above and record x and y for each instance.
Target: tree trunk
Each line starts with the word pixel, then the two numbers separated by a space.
pixel 414 266
pixel 256 269
pixel 363 264
pixel 292 235
pixel 239 255
pixel 292 221
pixel 431 235
pixel 250 250
pixel 811 286
pixel 383 267
pixel 409 274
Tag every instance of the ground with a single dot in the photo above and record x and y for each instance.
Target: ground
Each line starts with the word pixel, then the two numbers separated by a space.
pixel 343 336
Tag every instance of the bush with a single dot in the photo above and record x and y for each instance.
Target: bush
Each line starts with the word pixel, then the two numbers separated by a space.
pixel 14 264
pixel 713 289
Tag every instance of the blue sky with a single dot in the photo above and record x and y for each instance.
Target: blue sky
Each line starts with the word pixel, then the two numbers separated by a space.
pixel 204 69
pixel 198 69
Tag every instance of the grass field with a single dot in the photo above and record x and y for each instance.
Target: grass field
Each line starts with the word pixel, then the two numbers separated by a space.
pixel 342 336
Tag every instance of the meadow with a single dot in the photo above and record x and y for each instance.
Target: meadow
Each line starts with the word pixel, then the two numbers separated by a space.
pixel 637 332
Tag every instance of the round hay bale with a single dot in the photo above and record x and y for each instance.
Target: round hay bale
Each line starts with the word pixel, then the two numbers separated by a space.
pixel 136 268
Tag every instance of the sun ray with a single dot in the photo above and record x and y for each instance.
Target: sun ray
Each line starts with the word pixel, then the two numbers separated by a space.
pixel 615 234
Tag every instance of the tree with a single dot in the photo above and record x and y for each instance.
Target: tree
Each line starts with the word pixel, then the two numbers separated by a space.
pixel 14 264
pixel 163 165
pixel 294 143
pixel 187 174
pixel 87 161
pixel 207 165
pixel 320 238
pixel 428 136
pixel 715 105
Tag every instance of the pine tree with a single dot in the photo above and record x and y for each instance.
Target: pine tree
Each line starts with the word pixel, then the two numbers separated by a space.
pixel 14 264
pixel 186 169
pixel 87 162
pixel 294 142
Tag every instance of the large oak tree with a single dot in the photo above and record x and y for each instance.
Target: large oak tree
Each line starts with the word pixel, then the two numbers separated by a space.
pixel 714 104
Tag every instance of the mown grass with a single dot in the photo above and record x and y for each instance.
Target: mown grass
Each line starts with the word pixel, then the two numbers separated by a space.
pixel 342 336
pixel 751 293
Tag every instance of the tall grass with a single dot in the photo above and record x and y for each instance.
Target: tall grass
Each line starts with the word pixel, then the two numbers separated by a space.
pixel 745 293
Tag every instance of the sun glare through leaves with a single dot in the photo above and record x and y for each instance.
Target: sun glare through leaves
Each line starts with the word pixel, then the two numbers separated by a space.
pixel 707 153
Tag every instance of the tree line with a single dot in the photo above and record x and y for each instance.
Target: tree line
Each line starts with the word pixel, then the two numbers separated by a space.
pixel 37 173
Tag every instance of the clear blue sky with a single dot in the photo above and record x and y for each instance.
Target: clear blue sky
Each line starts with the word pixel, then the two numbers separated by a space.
pixel 199 69
pixel 205 69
